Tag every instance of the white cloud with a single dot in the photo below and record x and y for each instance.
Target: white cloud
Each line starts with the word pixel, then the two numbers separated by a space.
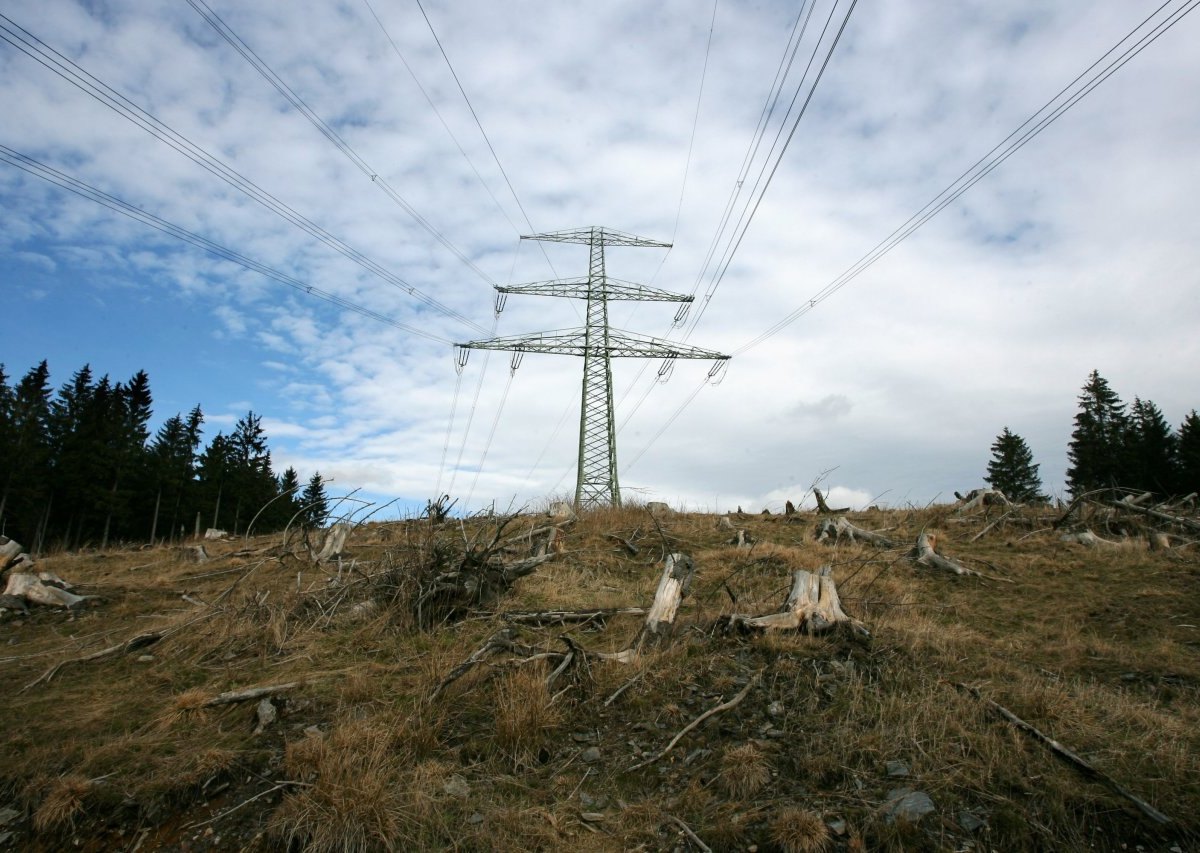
pixel 1075 254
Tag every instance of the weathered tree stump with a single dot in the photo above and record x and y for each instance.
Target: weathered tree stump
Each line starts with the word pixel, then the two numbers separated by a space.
pixel 333 543
pixel 10 551
pixel 35 590
pixel 836 529
pixel 824 508
pixel 923 554
pixel 982 497
pixel 813 606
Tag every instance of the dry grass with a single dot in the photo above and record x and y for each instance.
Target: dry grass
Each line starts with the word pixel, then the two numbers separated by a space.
pixel 797 830
pixel 744 771
pixel 1096 648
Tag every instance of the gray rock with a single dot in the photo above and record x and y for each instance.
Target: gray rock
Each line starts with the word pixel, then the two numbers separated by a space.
pixel 970 821
pixel 775 709
pixel 8 815
pixel 592 803
pixel 895 767
pixel 837 827
pixel 457 787
pixel 475 818
pixel 907 805
pixel 590 755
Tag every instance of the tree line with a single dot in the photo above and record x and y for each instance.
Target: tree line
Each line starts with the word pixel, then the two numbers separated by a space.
pixel 1112 446
pixel 79 466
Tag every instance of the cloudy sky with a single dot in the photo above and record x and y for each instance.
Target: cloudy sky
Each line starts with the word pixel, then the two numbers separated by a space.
pixel 1078 252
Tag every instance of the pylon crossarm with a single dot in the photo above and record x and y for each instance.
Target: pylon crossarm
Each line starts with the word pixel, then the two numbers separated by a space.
pixel 565 342
pixel 581 288
pixel 602 236
pixel 574 342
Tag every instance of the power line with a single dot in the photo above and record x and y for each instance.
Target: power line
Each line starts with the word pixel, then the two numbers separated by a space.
pixel 983 167
pixel 986 164
pixel 214 20
pixel 33 47
pixel 483 132
pixel 437 112
pixel 60 179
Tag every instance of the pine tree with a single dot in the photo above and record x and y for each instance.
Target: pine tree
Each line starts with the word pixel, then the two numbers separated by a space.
pixel 288 502
pixel 25 460
pixel 252 480
pixel 1012 469
pixel 1187 471
pixel 314 502
pixel 1097 450
pixel 1152 450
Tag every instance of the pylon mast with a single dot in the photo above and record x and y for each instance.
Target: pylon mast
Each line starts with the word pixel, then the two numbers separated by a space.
pixel 597 342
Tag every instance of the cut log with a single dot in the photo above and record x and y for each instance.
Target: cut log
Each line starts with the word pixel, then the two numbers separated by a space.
pixel 824 508
pixel 724 523
pixel 333 543
pixel 835 530
pixel 1159 541
pixel 789 508
pixel 214 533
pixel 982 497
pixel 561 512
pixel 924 554
pixel 812 606
pixel 31 588
pixel 659 509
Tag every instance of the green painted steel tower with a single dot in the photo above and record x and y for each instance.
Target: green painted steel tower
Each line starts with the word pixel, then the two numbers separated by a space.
pixel 597 342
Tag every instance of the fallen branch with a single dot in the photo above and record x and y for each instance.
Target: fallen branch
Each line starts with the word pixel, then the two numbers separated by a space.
pixel 714 710
pixel 616 694
pixel 1069 756
pixel 687 830
pixel 979 535
pixel 982 497
pixel 565 617
pixel 249 694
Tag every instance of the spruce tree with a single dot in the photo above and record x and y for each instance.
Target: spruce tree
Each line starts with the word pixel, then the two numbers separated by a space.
pixel 1097 451
pixel 1012 469
pixel 1187 472
pixel 314 502
pixel 1152 450
pixel 25 462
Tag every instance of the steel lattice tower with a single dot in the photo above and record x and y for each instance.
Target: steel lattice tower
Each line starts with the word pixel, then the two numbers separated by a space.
pixel 598 343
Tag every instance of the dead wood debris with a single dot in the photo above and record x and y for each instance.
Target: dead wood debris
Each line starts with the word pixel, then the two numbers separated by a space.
pixel 823 508
pixel 812 606
pixel 924 554
pixel 1067 755
pixel 835 530
pixel 714 710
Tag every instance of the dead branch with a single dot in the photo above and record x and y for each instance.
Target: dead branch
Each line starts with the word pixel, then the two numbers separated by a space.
pixel 627 544
pixel 1069 756
pixel 250 694
pixel 1188 523
pixel 687 830
pixel 624 687
pixel 716 709
pixel 980 534
pixel 566 617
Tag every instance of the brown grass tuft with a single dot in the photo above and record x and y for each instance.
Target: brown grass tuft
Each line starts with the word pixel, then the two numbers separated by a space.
pixel 798 830
pixel 62 803
pixel 355 799
pixel 523 711
pixel 744 771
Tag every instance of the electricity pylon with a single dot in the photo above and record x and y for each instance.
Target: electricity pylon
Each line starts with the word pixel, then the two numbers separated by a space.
pixel 598 343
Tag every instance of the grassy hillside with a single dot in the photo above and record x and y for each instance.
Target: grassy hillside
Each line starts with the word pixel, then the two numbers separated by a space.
pixel 1095 647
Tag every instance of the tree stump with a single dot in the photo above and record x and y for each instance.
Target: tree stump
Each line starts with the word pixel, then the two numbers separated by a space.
pixel 813 606
pixel 923 553
pixel 841 528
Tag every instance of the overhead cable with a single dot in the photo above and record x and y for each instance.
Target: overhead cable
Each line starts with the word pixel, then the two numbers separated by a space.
pixel 54 176
pixel 1028 129
pixel 36 49
pixel 214 20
